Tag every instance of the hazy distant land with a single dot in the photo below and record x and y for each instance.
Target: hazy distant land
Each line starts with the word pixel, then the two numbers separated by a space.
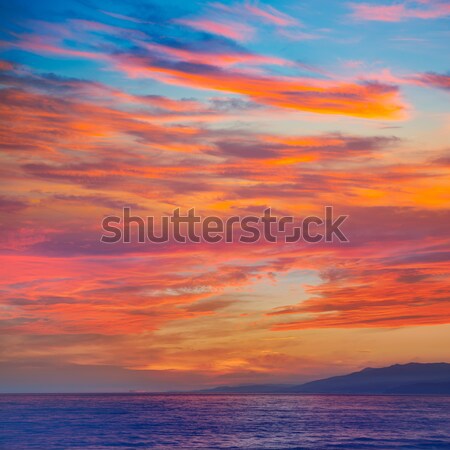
pixel 412 378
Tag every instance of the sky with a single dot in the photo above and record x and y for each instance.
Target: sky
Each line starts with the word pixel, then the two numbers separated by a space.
pixel 228 108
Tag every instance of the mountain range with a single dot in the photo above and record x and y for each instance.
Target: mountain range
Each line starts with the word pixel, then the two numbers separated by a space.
pixel 412 378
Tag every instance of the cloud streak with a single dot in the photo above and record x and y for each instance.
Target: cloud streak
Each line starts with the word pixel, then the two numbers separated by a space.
pixel 398 12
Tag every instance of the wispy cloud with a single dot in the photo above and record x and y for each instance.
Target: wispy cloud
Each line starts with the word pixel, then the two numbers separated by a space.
pixel 232 30
pixel 397 12
pixel 437 80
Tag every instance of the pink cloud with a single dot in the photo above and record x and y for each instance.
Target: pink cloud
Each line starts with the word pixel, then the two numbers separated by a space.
pixel 45 45
pixel 271 15
pixel 436 80
pixel 228 29
pixel 400 11
pixel 6 65
pixel 222 59
pixel 427 79
pixel 268 14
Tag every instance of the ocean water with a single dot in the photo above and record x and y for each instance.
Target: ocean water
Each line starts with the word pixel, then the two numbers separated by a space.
pixel 146 421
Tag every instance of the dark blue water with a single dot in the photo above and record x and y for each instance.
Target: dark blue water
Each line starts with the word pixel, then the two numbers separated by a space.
pixel 141 421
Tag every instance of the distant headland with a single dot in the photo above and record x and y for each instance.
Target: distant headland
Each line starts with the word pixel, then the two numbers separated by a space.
pixel 408 379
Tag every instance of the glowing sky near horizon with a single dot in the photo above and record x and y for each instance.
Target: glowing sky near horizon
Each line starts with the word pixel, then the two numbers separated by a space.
pixel 228 107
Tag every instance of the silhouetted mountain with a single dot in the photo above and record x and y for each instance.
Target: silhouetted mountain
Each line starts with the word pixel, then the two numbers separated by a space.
pixel 412 378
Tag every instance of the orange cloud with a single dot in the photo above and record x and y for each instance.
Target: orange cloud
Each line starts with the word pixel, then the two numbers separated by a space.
pixel 370 101
pixel 185 66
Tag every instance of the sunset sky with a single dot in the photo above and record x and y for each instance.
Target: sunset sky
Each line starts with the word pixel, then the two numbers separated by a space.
pixel 228 108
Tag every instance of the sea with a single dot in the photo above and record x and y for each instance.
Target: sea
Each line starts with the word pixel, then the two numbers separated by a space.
pixel 188 421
